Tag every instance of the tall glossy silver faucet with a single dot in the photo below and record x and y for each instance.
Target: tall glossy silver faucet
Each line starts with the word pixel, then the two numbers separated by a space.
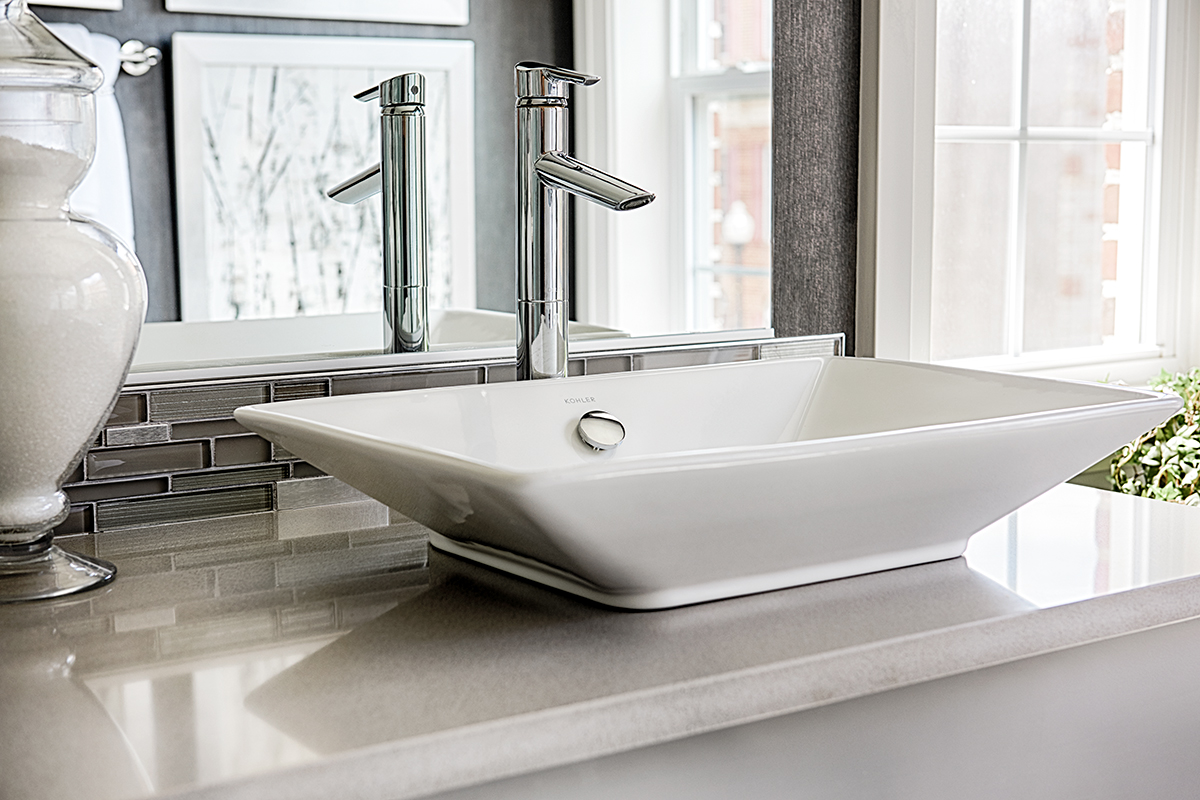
pixel 545 174
pixel 400 175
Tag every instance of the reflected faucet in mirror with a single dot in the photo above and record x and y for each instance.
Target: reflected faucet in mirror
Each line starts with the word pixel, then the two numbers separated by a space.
pixel 545 174
pixel 400 175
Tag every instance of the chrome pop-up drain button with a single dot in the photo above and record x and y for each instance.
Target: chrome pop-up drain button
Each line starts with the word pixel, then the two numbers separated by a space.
pixel 600 430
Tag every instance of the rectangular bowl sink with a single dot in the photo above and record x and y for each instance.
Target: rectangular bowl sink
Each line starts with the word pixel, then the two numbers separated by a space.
pixel 729 480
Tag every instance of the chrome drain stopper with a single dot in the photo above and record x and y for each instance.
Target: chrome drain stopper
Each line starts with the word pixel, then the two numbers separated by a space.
pixel 600 430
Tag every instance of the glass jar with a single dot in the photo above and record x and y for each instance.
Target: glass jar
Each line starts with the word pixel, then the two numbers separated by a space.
pixel 71 309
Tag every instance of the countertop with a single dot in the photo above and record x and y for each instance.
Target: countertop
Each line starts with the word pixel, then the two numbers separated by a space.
pixel 254 657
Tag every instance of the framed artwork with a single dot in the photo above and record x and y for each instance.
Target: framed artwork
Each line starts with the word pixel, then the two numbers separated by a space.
pixel 102 5
pixel 264 126
pixel 423 12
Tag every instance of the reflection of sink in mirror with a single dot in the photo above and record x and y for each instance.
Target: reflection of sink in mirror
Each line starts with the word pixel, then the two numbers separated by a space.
pixel 257 339
pixel 730 479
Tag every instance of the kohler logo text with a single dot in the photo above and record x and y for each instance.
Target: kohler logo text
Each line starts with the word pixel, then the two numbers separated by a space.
pixel 573 400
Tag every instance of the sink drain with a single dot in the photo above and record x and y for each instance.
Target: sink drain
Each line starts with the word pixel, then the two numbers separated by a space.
pixel 600 430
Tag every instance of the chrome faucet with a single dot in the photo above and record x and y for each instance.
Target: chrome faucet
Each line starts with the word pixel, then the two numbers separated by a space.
pixel 400 175
pixel 545 173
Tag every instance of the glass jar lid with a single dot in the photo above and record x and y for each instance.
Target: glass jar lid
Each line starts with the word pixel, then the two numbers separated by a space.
pixel 31 57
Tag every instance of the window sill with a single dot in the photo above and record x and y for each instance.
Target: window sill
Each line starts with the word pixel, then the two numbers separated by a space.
pixel 1134 365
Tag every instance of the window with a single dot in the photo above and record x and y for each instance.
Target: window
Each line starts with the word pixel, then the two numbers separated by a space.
pixel 685 112
pixel 723 90
pixel 1036 215
pixel 1044 158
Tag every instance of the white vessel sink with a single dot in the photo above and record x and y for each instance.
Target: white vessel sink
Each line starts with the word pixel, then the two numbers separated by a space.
pixel 730 480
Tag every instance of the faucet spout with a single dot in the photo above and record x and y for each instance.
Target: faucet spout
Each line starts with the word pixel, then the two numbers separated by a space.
pixel 560 171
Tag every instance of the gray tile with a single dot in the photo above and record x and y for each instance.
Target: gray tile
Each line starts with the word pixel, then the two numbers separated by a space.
pixel 136 434
pixel 108 490
pixel 150 459
pixel 359 384
pixel 178 507
pixel 832 345
pixel 308 492
pixel 233 450
pixel 83 544
pixel 232 553
pixel 396 532
pixel 143 619
pixel 246 577
pixel 692 358
pixel 279 454
pixel 88 626
pixel 157 590
pixel 207 429
pixel 354 611
pixel 602 366
pixel 145 565
pixel 229 477
pixel 302 469
pixel 179 537
pixel 129 410
pixel 320 542
pixel 403 583
pixel 575 367
pixel 76 474
pixel 215 402
pixel 111 651
pixel 340 565
pixel 502 373
pixel 307 619
pixel 81 519
pixel 298 523
pixel 217 635
pixel 218 607
pixel 300 391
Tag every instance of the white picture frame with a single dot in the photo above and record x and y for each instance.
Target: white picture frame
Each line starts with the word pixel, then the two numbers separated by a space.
pixel 215 77
pixel 421 12
pixel 99 5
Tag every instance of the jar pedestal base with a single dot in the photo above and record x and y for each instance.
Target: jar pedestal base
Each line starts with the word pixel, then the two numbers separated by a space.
pixel 51 573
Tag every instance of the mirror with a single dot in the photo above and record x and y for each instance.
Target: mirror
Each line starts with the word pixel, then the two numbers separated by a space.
pixel 696 260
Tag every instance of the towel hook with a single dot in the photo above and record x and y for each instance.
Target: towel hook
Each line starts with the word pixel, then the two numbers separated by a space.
pixel 137 57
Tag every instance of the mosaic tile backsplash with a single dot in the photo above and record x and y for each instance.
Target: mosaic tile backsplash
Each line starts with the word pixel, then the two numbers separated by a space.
pixel 174 453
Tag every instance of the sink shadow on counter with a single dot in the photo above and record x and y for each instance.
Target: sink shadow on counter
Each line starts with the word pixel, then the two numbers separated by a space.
pixel 478 646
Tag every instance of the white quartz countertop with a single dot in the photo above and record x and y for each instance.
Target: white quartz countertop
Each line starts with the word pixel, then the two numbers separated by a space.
pixel 240 659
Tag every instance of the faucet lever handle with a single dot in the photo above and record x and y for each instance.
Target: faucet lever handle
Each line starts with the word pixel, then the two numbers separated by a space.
pixel 535 79
pixel 406 89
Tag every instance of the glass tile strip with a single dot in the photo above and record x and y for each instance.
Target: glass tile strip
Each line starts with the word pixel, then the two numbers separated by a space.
pixel 111 490
pixel 229 477
pixel 176 508
pixel 130 409
pixel 213 402
pixel 176 537
pixel 502 373
pixel 147 460
pixel 80 519
pixel 299 391
pixel 311 492
pixel 206 430
pixel 360 384
pixel 136 434
pixel 233 450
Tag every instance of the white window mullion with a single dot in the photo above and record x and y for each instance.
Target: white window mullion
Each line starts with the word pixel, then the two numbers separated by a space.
pixel 1014 283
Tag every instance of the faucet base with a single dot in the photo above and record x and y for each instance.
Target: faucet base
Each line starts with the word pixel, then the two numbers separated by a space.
pixel 405 319
pixel 541 339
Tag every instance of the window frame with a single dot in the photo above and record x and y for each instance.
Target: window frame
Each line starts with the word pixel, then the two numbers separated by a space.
pixel 896 202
